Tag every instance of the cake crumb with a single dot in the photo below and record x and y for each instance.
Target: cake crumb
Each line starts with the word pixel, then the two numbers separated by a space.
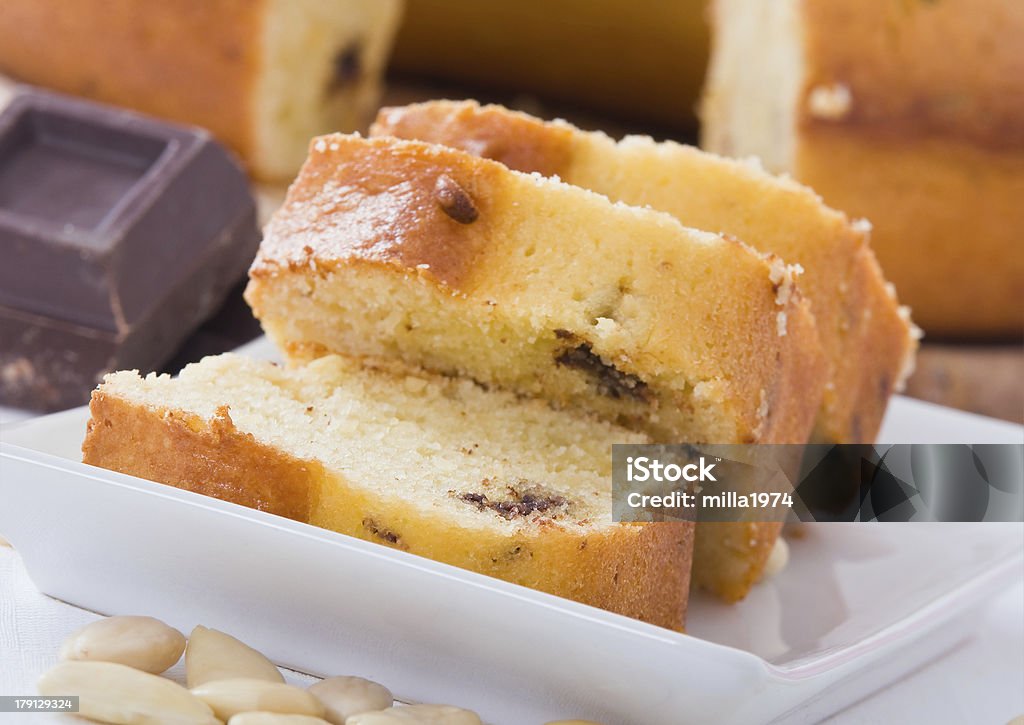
pixel 762 414
pixel 862 226
pixel 605 326
pixel 783 278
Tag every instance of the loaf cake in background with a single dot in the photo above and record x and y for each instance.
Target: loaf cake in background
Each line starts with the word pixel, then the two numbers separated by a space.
pixel 867 338
pixel 263 75
pixel 639 61
pixel 406 254
pixel 434 466
pixel 909 113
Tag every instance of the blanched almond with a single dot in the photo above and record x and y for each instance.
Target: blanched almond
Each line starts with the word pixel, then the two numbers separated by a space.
pixel 115 693
pixel 274 718
pixel 346 696
pixel 213 655
pixel 144 643
pixel 243 694
pixel 417 715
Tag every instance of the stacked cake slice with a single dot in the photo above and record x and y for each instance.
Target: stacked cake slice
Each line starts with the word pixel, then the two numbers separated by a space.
pixel 465 342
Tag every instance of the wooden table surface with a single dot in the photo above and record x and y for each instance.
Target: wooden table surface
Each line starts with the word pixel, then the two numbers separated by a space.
pixel 983 379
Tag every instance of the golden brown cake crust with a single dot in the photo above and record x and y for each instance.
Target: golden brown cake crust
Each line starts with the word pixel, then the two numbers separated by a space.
pixel 406 227
pixel 858 318
pixel 923 67
pixel 208 457
pixel 946 220
pixel 641 571
pixel 516 140
pixel 193 62
pixel 931 149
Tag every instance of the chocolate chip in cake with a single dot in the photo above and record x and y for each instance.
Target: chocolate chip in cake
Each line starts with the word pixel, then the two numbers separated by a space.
pixel 520 501
pixel 454 200
pixel 477 498
pixel 610 381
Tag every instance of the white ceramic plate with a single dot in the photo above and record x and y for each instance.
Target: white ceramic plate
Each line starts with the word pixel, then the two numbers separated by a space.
pixel 859 605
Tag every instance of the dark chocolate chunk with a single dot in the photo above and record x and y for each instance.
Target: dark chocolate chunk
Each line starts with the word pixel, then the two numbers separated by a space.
pixel 454 200
pixel 119 235
pixel 610 381
pixel 521 500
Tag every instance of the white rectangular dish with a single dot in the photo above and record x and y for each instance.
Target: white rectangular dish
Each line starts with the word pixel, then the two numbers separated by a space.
pixel 859 604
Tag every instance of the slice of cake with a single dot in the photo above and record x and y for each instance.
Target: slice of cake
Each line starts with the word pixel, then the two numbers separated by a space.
pixel 435 466
pixel 391 250
pixel 401 253
pixel 910 113
pixel 867 338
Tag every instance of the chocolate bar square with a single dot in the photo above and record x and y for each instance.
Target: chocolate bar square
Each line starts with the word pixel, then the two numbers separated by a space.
pixel 119 234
